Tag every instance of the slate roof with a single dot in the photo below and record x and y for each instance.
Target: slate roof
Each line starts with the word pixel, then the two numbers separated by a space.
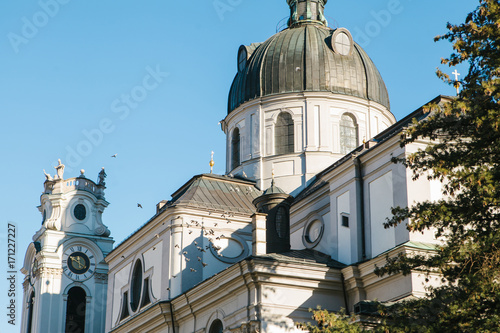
pixel 301 59
pixel 214 192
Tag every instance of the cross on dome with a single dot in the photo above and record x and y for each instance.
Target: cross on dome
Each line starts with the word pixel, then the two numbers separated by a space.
pixel 457 84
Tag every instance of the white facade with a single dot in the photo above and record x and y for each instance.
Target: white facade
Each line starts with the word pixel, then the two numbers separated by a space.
pixel 317 143
pixel 331 264
pixel 200 264
pixel 67 231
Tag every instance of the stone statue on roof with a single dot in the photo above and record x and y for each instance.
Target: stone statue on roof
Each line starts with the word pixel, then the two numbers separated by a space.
pixel 59 169
pixel 102 176
pixel 47 176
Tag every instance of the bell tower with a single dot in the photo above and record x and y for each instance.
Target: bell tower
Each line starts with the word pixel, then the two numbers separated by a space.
pixel 65 284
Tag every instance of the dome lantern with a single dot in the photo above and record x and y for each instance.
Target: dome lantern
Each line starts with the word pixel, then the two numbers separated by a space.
pixel 306 11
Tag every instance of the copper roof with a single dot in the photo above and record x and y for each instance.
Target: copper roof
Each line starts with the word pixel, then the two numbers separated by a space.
pixel 301 59
pixel 220 193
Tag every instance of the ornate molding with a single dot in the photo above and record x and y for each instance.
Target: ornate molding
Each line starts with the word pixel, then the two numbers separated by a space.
pixel 101 277
pixel 26 283
pixel 49 271
pixel 249 327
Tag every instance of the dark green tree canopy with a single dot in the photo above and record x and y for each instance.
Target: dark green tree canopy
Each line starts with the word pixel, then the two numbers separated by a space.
pixel 464 154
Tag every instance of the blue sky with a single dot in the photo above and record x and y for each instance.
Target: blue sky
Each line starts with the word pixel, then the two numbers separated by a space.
pixel 66 66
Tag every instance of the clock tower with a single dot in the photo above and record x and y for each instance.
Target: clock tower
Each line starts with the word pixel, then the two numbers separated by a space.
pixel 65 284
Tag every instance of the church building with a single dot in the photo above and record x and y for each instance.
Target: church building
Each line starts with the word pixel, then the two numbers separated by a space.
pixel 297 221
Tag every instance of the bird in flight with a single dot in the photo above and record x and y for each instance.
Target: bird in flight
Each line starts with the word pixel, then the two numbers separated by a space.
pixel 139 205
pixel 114 155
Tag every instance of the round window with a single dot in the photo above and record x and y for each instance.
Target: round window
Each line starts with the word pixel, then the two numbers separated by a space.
pixel 342 42
pixel 80 212
pixel 313 232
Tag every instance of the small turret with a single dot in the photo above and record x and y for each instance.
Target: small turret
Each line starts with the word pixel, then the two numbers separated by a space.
pixel 276 204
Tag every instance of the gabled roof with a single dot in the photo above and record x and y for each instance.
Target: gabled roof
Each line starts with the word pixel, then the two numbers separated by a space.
pixel 214 192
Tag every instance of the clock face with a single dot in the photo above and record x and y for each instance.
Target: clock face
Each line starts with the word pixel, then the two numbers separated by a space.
pixel 78 263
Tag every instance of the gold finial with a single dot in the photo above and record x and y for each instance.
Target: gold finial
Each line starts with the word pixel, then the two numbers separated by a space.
pixel 272 178
pixel 212 163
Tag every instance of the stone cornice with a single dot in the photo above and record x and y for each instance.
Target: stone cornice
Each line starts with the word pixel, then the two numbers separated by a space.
pixel 157 317
pixel 250 327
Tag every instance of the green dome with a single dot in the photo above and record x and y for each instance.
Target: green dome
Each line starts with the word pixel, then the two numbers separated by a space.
pixel 302 59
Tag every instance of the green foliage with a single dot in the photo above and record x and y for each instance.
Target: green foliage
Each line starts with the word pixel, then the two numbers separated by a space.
pixel 328 322
pixel 465 157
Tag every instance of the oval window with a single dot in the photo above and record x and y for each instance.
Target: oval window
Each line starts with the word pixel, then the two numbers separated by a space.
pixel 136 286
pixel 314 231
pixel 80 212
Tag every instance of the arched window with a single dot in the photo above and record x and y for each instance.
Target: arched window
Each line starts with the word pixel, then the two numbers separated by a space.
pixel 235 148
pixel 348 134
pixel 136 286
pixel 216 327
pixel 30 311
pixel 283 134
pixel 75 310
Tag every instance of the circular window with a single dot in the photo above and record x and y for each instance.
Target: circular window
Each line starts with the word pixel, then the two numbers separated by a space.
pixel 80 212
pixel 136 286
pixel 313 232
pixel 342 42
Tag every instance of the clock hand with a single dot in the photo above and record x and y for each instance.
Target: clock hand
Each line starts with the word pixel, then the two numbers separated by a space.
pixel 82 264
pixel 75 262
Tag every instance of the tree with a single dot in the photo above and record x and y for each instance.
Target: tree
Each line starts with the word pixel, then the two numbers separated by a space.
pixel 465 157
pixel 327 322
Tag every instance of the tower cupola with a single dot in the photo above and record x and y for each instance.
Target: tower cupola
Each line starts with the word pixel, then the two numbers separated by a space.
pixel 307 11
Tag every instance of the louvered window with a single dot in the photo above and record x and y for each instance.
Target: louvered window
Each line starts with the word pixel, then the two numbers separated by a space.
pixel 348 134
pixel 283 134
